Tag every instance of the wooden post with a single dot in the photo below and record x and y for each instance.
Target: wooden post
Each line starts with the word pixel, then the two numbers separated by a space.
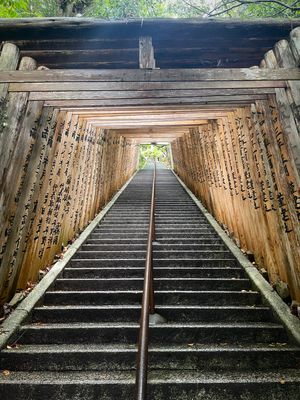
pixel 295 44
pixel 9 58
pixel 12 117
pixel 146 53
pixel 291 128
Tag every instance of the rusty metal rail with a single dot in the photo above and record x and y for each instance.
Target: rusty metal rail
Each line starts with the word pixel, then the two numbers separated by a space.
pixel 148 305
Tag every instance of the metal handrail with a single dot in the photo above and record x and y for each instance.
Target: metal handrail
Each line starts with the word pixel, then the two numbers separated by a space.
pixel 148 305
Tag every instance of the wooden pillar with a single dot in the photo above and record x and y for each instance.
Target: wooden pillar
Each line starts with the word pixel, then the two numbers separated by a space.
pixel 9 58
pixel 146 53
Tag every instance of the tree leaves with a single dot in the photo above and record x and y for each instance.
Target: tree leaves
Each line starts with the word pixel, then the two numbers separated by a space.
pixel 120 9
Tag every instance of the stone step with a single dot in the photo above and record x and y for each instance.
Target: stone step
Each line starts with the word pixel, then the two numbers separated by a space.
pixel 159 235
pixel 158 254
pixel 164 272
pixel 159 284
pixel 158 226
pixel 160 241
pixel 166 297
pixel 174 283
pixel 94 333
pixel 132 313
pixel 143 230
pixel 177 385
pixel 156 246
pixel 167 262
pixel 120 357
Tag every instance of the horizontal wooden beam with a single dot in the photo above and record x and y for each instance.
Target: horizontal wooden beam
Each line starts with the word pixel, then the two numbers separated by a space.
pixel 258 43
pixel 152 109
pixel 162 29
pixel 204 88
pixel 199 62
pixel 160 140
pixel 157 130
pixel 140 94
pixel 154 119
pixel 199 102
pixel 165 75
pixel 128 125
pixel 158 135
pixel 128 55
pixel 152 115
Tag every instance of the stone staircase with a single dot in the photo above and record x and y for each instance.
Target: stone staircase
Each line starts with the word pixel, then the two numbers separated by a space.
pixel 218 342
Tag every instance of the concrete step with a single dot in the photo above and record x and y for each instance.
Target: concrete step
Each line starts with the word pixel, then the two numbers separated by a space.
pixel 156 246
pixel 163 272
pixel 158 254
pixel 166 230
pixel 134 216
pixel 94 333
pixel 174 283
pixel 140 262
pixel 180 225
pixel 161 241
pixel 177 385
pixel 135 213
pixel 122 357
pixel 132 313
pixel 166 297
pixel 159 235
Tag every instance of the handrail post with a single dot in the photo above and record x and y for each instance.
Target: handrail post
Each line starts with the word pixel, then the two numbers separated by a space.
pixel 147 304
pixel 152 304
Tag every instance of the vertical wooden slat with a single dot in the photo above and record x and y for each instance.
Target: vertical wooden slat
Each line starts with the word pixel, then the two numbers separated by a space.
pixel 146 53
pixel 9 58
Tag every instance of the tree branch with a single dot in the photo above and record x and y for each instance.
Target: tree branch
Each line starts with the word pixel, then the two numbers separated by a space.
pixel 211 14
pixel 233 4
pixel 287 6
pixel 194 6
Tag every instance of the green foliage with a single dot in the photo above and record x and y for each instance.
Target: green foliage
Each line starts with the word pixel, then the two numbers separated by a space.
pixel 248 9
pixel 150 152
pixel 117 9
pixel 13 8
pixel 29 8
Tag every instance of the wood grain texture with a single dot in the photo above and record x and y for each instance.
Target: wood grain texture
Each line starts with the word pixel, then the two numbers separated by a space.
pixel 156 75
pixel 53 197
pixel 241 168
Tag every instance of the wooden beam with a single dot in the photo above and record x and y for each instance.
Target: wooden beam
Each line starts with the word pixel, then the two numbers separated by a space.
pixel 157 130
pixel 156 75
pixel 144 135
pixel 156 109
pixel 146 53
pixel 161 140
pixel 148 102
pixel 124 54
pixel 151 119
pixel 152 115
pixel 206 88
pixel 238 44
pixel 139 94
pixel 129 125
pixel 9 58
pixel 162 29
pixel 198 62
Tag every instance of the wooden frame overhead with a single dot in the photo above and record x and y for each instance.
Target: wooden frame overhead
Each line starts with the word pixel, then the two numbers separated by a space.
pixel 177 43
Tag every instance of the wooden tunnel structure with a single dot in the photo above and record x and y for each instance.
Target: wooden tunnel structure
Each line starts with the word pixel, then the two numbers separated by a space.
pixel 78 96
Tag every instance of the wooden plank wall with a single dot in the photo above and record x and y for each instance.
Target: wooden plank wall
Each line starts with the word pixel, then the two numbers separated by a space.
pixel 245 169
pixel 57 172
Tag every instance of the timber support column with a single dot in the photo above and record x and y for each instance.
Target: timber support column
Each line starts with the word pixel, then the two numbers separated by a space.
pixel 146 53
